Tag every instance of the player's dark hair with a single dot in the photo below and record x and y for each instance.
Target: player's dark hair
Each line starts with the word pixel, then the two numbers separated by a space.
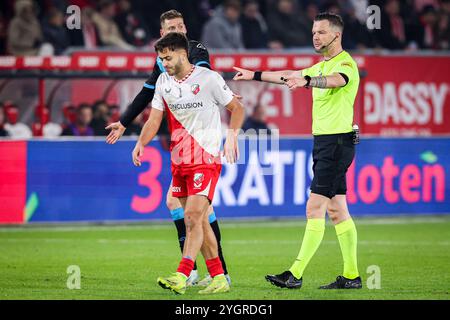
pixel 169 15
pixel 172 41
pixel 334 19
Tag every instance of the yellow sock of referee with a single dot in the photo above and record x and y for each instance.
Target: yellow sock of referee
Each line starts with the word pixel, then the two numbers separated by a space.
pixel 314 231
pixel 347 236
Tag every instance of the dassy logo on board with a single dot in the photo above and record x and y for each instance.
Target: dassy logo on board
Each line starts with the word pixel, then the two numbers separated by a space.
pixel 198 180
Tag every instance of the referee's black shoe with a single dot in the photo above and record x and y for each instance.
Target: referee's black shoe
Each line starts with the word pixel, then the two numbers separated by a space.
pixel 285 280
pixel 344 283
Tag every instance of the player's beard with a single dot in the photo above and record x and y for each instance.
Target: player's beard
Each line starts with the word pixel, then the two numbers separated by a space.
pixel 170 71
pixel 177 68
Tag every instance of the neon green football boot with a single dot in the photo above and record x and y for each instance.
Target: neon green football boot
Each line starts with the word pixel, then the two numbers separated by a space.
pixel 218 284
pixel 175 282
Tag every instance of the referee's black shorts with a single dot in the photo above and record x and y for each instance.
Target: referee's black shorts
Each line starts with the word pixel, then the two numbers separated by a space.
pixel 332 155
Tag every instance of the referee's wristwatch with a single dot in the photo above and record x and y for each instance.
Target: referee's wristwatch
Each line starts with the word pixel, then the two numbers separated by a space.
pixel 308 80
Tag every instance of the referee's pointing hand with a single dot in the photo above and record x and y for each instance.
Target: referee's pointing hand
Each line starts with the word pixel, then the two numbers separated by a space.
pixel 294 82
pixel 243 74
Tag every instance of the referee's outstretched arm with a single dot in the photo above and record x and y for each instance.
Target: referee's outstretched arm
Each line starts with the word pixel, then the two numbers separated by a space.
pixel 292 78
pixel 334 80
pixel 267 76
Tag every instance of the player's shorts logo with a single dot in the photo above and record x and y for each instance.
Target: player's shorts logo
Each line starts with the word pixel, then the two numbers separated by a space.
pixel 198 180
pixel 176 189
pixel 195 88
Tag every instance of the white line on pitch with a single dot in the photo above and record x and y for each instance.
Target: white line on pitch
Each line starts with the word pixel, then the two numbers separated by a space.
pixel 225 224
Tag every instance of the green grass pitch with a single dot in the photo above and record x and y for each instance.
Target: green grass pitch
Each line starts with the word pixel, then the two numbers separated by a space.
pixel 123 261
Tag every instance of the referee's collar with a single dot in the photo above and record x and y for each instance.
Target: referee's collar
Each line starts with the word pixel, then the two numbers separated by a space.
pixel 334 56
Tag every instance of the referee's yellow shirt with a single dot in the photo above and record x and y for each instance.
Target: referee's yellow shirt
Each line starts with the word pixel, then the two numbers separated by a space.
pixel 333 108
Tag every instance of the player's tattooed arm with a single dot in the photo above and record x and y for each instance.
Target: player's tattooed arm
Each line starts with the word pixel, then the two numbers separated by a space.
pixel 318 82
pixel 334 80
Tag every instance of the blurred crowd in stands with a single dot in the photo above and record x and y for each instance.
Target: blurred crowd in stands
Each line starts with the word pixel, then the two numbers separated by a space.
pixel 84 120
pixel 32 27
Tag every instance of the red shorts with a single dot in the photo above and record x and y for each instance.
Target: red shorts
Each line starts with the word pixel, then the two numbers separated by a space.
pixel 199 181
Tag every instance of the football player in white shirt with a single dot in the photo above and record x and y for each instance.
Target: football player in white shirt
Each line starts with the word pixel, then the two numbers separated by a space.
pixel 172 21
pixel 191 96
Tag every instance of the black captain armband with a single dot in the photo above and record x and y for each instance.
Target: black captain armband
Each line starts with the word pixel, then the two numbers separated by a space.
pixel 257 76
pixel 343 75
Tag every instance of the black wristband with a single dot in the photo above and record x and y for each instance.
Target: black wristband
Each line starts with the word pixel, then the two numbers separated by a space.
pixel 257 76
pixel 308 80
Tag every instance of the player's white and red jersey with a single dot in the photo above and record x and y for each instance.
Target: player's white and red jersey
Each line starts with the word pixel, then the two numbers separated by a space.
pixel 192 105
pixel 193 115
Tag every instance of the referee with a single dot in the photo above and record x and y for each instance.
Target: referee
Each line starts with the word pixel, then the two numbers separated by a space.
pixel 335 82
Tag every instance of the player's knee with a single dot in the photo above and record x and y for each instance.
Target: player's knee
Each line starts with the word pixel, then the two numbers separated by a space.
pixel 193 219
pixel 172 203
pixel 333 212
pixel 313 211
pixel 337 214
pixel 310 214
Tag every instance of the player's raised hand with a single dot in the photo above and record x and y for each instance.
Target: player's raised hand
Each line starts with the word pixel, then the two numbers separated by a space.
pixel 138 151
pixel 243 74
pixel 294 82
pixel 117 130
pixel 230 148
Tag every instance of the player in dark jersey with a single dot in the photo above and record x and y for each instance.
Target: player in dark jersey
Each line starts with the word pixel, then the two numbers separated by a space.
pixel 171 21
